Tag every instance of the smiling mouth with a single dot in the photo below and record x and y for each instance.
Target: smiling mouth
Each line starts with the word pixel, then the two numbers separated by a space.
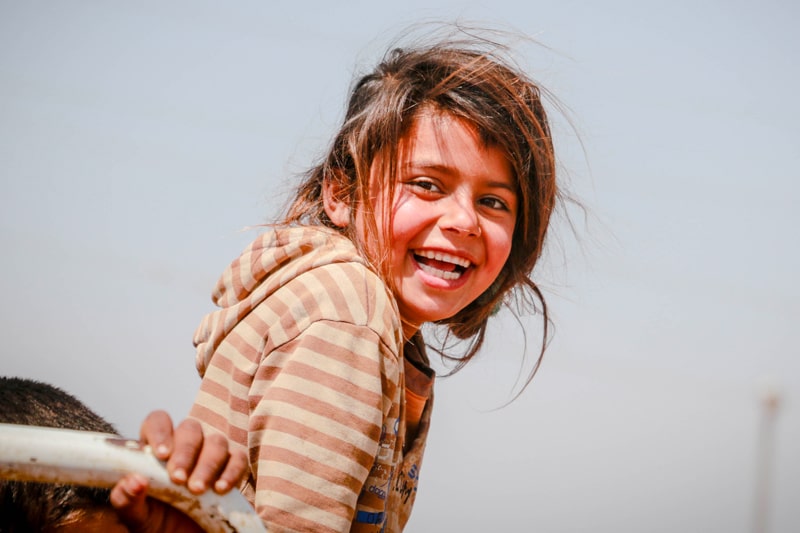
pixel 441 265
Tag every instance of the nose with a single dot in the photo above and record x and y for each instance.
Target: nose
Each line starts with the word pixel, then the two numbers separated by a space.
pixel 460 217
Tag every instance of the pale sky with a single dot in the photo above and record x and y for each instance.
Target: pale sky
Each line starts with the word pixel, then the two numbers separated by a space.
pixel 139 140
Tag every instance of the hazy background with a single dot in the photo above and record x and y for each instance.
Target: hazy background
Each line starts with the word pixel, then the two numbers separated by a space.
pixel 138 139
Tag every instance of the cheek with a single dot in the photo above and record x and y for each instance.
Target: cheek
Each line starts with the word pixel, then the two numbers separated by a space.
pixel 499 243
pixel 402 224
pixel 388 233
pixel 408 219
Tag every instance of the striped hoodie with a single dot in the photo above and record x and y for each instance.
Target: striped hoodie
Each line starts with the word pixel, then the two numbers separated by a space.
pixel 303 367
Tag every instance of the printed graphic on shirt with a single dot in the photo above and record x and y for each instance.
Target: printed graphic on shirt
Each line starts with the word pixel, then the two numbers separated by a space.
pixel 406 483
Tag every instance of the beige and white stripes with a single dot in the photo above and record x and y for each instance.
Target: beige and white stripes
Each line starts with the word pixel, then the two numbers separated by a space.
pixel 302 367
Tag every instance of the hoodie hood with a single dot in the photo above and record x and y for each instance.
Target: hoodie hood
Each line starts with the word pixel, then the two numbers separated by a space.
pixel 268 263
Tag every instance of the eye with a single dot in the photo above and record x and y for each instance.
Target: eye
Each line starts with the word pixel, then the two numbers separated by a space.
pixel 424 184
pixel 493 202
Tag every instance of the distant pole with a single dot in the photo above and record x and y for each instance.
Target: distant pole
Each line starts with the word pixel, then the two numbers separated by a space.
pixel 770 399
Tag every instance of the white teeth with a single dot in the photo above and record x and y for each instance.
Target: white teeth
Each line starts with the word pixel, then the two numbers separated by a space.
pixel 445 258
pixel 439 273
pixel 441 256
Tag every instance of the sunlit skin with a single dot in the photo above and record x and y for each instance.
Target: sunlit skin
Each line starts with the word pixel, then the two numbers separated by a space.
pixel 454 212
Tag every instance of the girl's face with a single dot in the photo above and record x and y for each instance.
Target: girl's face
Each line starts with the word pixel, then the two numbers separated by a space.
pixel 453 216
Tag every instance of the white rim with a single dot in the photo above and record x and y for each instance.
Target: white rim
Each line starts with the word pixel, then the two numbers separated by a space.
pixel 50 455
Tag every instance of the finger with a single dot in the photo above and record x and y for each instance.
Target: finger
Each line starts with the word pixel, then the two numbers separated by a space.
pixel 233 473
pixel 157 431
pixel 211 461
pixel 187 443
pixel 129 499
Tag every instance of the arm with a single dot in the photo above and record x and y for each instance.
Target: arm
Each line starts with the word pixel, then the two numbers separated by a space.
pixel 302 379
pixel 319 404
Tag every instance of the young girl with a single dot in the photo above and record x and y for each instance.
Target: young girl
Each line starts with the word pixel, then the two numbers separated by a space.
pixel 431 206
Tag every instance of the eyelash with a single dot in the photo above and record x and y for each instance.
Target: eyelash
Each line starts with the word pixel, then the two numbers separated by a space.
pixel 431 187
pixel 497 203
pixel 425 184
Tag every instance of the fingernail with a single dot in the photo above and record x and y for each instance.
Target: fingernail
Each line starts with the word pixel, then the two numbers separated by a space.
pixel 221 486
pixel 162 450
pixel 197 486
pixel 179 475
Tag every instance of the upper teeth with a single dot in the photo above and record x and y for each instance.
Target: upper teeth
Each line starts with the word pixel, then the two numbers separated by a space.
pixel 441 256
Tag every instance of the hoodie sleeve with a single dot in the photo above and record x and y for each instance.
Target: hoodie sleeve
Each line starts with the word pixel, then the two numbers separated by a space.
pixel 309 382
pixel 316 427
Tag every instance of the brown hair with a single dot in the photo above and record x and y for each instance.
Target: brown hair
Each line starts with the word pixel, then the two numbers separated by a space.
pixel 31 506
pixel 471 79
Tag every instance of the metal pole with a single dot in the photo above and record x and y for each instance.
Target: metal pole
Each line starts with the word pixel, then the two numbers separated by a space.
pixel 52 455
pixel 770 402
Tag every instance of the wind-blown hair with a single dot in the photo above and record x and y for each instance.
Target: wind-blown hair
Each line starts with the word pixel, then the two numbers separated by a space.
pixel 472 80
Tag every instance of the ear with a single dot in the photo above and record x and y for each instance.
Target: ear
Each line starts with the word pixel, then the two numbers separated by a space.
pixel 336 201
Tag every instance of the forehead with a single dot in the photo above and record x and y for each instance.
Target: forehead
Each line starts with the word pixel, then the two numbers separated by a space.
pixel 440 139
pixel 433 126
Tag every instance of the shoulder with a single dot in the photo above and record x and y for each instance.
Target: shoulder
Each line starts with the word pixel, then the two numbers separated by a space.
pixel 277 256
pixel 329 281
pixel 346 293
pixel 283 245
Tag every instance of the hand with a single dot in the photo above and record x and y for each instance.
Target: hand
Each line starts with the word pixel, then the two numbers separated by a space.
pixel 193 459
pixel 141 514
